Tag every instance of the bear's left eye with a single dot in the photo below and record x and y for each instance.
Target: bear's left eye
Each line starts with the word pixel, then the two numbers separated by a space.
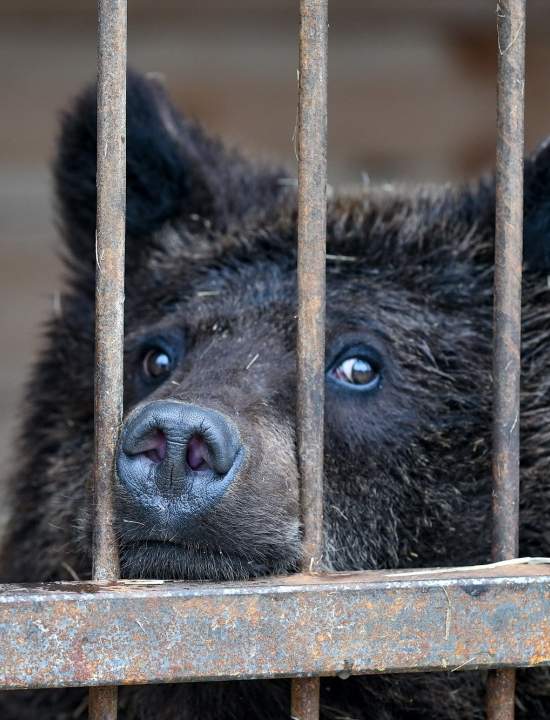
pixel 359 372
pixel 157 364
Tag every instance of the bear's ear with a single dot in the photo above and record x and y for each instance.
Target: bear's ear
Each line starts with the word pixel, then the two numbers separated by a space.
pixel 536 221
pixel 174 170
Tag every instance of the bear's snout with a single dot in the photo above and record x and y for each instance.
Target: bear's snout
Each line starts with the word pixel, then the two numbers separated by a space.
pixel 177 457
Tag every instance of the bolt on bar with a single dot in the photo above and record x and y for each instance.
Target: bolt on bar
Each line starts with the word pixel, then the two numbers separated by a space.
pixel 109 329
pixel 507 310
pixel 312 180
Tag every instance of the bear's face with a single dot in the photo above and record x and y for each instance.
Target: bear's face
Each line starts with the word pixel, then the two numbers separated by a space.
pixel 207 483
pixel 212 326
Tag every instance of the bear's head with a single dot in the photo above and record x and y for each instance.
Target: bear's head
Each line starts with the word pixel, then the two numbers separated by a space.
pixel 207 483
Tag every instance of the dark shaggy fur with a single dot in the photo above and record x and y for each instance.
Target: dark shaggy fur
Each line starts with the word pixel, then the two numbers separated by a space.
pixel 211 275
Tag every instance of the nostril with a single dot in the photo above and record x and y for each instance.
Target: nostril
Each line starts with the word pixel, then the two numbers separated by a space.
pixel 152 445
pixel 197 453
pixel 157 452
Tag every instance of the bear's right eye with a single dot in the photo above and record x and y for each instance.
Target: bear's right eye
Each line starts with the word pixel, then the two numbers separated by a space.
pixel 359 368
pixel 157 364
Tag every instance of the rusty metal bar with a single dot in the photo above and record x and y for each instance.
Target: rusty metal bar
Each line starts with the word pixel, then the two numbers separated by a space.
pixel 312 181
pixel 507 309
pixel 305 698
pixel 508 260
pixel 66 634
pixel 501 689
pixel 109 329
pixel 311 270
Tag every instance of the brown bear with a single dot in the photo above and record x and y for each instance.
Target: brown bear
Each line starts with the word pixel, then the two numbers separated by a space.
pixel 207 481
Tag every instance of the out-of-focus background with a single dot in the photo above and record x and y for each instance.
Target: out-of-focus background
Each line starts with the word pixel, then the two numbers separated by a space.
pixel 411 88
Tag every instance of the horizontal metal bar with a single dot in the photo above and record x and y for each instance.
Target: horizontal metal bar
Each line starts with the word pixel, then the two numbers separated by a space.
pixel 130 632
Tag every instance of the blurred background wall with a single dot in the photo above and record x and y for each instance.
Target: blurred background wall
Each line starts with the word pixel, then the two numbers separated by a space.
pixel 411 88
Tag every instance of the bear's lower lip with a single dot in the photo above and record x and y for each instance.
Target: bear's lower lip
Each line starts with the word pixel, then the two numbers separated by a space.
pixel 170 560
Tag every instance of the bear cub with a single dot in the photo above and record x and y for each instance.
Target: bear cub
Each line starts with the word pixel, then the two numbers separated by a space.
pixel 207 482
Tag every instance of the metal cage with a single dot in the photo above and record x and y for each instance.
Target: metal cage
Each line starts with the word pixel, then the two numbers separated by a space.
pixel 105 633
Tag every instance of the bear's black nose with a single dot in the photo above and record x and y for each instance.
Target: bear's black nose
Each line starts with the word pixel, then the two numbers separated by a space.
pixel 178 457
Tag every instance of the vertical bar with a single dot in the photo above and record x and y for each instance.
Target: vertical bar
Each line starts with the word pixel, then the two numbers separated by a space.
pixel 305 698
pixel 507 310
pixel 312 180
pixel 501 688
pixel 109 329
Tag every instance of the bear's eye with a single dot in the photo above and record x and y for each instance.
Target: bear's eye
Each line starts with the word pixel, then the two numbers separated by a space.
pixel 157 364
pixel 360 373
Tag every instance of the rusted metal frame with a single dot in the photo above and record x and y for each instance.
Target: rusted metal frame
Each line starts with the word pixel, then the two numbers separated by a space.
pixel 66 634
pixel 507 309
pixel 109 328
pixel 312 181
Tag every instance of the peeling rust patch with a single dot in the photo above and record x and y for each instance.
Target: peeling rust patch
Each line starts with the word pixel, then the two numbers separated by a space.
pixel 476 590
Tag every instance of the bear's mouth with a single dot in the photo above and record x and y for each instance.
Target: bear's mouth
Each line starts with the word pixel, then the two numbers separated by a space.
pixel 171 560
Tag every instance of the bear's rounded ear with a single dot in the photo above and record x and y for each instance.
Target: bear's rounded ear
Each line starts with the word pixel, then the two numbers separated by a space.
pixel 174 170
pixel 157 181
pixel 479 208
pixel 536 221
